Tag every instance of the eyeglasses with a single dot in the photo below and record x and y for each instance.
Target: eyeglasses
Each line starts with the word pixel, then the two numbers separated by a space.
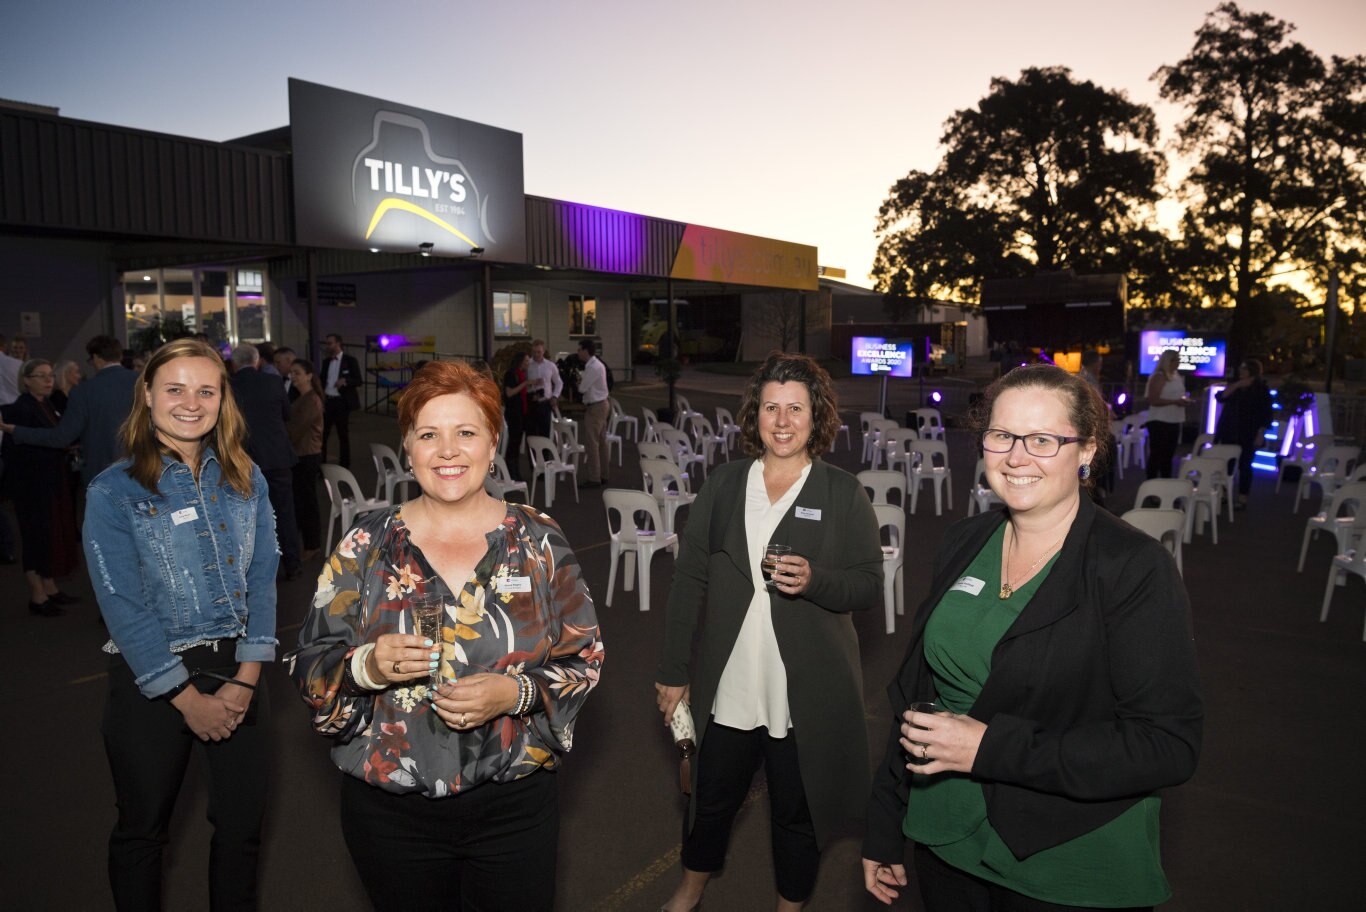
pixel 995 440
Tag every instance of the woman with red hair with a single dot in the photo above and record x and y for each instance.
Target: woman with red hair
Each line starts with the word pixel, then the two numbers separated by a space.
pixel 517 655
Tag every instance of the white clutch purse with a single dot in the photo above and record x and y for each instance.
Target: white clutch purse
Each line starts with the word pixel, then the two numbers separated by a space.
pixel 685 739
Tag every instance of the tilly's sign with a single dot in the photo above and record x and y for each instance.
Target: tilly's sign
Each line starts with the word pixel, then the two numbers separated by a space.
pixel 377 175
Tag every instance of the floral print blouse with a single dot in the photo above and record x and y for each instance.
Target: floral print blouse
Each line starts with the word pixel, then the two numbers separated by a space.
pixel 524 610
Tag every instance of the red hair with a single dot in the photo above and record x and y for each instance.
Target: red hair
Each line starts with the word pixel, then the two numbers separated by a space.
pixel 445 378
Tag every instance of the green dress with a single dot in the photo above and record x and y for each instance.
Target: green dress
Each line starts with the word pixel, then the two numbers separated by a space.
pixel 1116 865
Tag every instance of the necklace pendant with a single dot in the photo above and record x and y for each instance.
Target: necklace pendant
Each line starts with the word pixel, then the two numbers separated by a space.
pixel 1006 591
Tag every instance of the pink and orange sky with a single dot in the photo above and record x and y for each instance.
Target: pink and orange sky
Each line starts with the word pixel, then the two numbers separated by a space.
pixel 783 119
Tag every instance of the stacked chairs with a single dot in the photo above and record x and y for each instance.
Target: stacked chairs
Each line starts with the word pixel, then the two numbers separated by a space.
pixel 668 485
pixel 1332 467
pixel 628 541
pixel 881 483
pixel 981 497
pixel 1344 518
pixel 932 465
pixel 547 465
pixel 347 502
pixel 389 472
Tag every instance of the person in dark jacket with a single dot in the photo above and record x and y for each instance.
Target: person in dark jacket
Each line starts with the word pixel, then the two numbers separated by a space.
pixel 264 405
pixel 1056 641
pixel 94 411
pixel 777 678
pixel 34 478
pixel 1246 414
pixel 342 380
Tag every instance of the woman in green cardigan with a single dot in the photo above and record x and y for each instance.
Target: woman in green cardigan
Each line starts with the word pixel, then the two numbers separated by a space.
pixel 777 678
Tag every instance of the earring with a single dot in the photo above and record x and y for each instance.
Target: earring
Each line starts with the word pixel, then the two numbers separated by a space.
pixel 1084 472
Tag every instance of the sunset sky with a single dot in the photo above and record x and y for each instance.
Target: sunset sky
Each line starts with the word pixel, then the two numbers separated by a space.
pixel 783 119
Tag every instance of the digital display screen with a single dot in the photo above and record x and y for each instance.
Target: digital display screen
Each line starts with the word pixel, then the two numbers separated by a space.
pixel 1201 355
pixel 874 355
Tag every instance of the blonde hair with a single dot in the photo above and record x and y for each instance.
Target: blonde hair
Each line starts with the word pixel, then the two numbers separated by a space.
pixel 140 439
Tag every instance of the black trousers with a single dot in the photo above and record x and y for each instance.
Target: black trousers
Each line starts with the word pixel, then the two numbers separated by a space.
pixel 944 888
pixel 148 745
pixel 1161 447
pixel 516 431
pixel 336 415
pixel 280 487
pixel 305 484
pixel 491 849
pixel 538 421
pixel 725 768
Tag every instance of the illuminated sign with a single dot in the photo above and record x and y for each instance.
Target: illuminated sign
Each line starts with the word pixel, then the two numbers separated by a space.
pixel 382 176
pixel 713 255
pixel 1201 356
pixel 874 355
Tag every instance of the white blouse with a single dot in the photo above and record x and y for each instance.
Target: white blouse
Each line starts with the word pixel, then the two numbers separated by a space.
pixel 1173 388
pixel 752 692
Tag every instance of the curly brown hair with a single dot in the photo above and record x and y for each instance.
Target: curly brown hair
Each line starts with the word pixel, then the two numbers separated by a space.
pixel 785 367
pixel 1085 409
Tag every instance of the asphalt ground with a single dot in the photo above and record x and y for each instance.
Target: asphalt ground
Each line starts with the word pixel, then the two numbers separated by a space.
pixel 1272 820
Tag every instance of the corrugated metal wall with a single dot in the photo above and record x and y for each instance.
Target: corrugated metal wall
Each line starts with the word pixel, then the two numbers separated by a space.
pixel 573 236
pixel 80 176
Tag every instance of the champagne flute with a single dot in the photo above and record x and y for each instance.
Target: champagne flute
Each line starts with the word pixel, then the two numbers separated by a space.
pixel 428 616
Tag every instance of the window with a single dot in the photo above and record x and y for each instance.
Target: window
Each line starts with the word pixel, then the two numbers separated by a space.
pixel 509 313
pixel 583 316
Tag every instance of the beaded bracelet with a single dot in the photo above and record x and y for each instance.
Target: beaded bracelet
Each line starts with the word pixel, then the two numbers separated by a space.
pixel 526 695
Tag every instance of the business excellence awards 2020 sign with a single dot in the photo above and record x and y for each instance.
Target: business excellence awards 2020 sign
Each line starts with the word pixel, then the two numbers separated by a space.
pixel 371 174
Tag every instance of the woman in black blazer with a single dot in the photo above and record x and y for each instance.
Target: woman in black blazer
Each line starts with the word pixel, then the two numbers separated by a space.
pixel 1056 641
pixel 777 678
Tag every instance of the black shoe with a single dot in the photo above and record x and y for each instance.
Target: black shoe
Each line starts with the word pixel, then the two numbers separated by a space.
pixel 61 598
pixel 45 609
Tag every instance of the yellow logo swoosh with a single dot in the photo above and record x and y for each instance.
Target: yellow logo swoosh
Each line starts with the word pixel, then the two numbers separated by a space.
pixel 404 206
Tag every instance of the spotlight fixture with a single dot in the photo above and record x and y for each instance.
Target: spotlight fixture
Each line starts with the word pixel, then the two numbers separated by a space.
pixel 476 251
pixel 936 397
pixel 425 248
pixel 374 250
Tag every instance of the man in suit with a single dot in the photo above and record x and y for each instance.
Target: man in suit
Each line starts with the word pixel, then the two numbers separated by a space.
pixel 265 411
pixel 341 378
pixel 284 360
pixel 94 412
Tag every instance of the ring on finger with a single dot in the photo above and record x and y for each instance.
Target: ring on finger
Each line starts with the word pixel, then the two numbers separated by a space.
pixel 924 750
pixel 396 671
pixel 464 719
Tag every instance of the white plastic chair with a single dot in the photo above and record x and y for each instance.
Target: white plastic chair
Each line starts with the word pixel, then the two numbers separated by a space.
pixel 1332 466
pixel 1167 526
pixel 683 412
pixel 619 417
pixel 389 472
pixel 896 448
pixel 1302 456
pixel 1202 443
pixel 932 465
pixel 668 486
pixel 865 420
pixel 705 439
pixel 1353 562
pixel 1121 448
pixel 628 540
pixel 1211 487
pixel 499 483
pixel 893 561
pixel 1168 494
pixel 564 433
pixel 981 497
pixel 726 428
pixel 929 423
pixel 547 465
pixel 347 501
pixel 684 454
pixel 651 431
pixel 842 429
pixel 880 483
pixel 873 441
pixel 1230 453
pixel 1343 518
pixel 1135 438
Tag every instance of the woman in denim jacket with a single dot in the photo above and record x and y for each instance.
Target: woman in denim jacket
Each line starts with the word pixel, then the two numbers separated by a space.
pixel 180 542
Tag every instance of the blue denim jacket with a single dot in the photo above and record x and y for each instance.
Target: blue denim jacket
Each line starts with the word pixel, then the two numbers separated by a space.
pixel 192 564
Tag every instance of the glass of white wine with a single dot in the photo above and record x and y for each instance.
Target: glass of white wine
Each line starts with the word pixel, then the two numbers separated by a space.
pixel 770 562
pixel 428 615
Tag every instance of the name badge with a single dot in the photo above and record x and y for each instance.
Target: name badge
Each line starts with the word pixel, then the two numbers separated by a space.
pixel 969 584
pixel 808 513
pixel 508 584
pixel 183 516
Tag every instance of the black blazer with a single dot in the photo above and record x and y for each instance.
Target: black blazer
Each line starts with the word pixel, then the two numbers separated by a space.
pixel 28 468
pixel 350 371
pixel 265 408
pixel 95 410
pixel 1093 700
